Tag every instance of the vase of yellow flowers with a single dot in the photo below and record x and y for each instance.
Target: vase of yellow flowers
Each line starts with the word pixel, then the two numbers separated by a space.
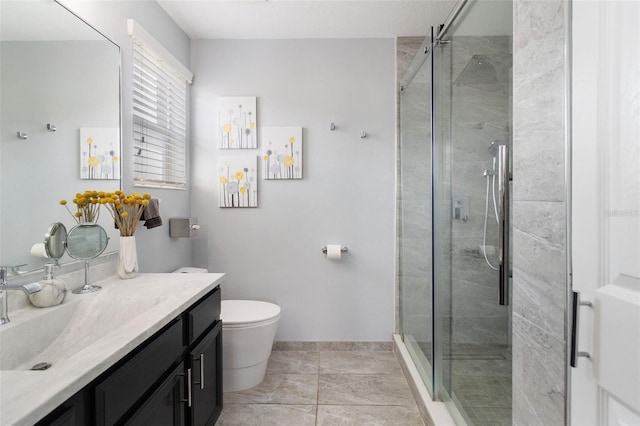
pixel 126 211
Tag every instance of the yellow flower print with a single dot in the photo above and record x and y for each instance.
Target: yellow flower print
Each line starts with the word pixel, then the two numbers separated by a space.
pixel 252 125
pixel 93 161
pixel 89 141
pixel 265 158
pixel 223 180
pixel 239 175
pixel 227 128
pixel 243 190
pixel 292 139
pixel 287 161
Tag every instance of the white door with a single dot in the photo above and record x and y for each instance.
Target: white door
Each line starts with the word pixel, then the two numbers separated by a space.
pixel 605 234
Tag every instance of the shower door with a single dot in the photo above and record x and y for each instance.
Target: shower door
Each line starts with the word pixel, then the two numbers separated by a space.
pixel 414 230
pixel 472 137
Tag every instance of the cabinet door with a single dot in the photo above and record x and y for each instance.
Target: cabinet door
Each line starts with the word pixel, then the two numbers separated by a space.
pixel 205 361
pixel 164 407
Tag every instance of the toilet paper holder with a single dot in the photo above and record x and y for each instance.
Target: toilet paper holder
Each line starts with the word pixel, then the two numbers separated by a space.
pixel 343 249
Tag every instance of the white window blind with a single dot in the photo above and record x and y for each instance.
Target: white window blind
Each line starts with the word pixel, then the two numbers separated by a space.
pixel 159 114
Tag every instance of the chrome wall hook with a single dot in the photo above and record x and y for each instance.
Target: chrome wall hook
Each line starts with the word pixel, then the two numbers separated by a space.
pixel 332 126
pixel 22 135
pixel 51 127
pixel 363 134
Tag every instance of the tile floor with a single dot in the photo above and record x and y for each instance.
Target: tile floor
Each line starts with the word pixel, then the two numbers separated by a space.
pixel 325 388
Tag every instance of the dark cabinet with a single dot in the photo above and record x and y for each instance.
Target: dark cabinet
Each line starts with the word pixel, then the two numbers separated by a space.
pixel 174 378
pixel 165 406
pixel 205 363
pixel 76 411
pixel 116 394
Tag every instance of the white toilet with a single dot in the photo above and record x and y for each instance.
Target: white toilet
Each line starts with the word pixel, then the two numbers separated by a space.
pixel 248 330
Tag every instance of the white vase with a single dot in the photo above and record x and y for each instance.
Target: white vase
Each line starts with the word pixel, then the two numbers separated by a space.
pixel 128 258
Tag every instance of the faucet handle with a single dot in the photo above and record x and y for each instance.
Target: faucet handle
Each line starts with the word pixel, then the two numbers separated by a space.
pixel 5 271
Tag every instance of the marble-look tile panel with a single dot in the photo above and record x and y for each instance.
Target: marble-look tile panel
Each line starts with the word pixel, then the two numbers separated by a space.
pixel 539 283
pixel 539 373
pixel 358 362
pixel 544 220
pixel 523 412
pixel 539 100
pixel 349 415
pixel 293 362
pixel 267 415
pixel 292 389
pixel 363 389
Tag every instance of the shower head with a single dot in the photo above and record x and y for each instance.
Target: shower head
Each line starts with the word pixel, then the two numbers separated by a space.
pixel 493 148
pixel 479 70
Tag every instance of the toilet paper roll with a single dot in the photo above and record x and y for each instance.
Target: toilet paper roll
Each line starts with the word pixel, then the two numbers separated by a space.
pixel 38 250
pixel 334 251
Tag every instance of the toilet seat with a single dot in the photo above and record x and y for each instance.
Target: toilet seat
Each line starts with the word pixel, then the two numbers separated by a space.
pixel 248 313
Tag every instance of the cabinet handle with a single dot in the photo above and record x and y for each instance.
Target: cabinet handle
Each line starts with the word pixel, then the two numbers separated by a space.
pixel 188 400
pixel 189 387
pixel 201 360
pixel 201 371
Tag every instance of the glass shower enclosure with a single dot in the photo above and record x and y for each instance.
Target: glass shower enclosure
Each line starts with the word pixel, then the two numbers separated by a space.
pixel 453 205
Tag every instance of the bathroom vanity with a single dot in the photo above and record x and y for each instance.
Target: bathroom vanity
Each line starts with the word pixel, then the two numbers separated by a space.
pixel 145 351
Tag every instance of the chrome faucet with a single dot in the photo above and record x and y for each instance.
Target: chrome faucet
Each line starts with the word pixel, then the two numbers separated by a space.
pixel 28 288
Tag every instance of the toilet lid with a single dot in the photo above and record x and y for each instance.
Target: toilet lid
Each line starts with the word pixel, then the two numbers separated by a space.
pixel 247 311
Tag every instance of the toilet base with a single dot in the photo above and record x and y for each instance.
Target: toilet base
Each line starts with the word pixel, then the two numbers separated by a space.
pixel 237 379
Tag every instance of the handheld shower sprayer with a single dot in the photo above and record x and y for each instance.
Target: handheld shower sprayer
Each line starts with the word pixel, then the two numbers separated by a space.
pixel 494 148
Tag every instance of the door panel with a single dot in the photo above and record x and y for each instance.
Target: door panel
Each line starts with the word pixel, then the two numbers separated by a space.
pixel 605 201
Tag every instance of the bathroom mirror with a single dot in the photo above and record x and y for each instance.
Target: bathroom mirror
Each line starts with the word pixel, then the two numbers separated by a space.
pixel 86 241
pixel 54 240
pixel 60 85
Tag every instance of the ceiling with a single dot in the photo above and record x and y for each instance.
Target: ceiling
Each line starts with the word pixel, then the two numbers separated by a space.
pixel 253 19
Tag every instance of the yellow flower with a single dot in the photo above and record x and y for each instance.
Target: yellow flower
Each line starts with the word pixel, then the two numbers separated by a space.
pixel 239 175
pixel 287 161
pixel 265 158
pixel 227 128
pixel 63 202
pixel 223 180
pixel 243 190
pixel 124 214
pixel 252 124
pixel 292 139
pixel 93 161
pixel 89 141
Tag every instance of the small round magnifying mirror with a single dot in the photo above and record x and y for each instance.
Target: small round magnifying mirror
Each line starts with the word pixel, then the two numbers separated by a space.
pixel 86 241
pixel 54 240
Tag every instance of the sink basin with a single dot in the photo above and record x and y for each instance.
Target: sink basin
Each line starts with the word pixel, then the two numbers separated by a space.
pixel 23 339
pixel 54 335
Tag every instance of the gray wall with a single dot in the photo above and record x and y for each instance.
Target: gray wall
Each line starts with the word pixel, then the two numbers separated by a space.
pixel 273 252
pixel 156 251
pixel 539 222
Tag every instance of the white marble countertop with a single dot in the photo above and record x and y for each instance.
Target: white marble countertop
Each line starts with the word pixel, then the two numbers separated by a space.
pixel 105 326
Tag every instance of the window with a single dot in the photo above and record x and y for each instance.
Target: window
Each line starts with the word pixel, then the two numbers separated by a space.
pixel 159 113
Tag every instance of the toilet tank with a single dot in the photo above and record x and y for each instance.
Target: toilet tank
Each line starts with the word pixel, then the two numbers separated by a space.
pixel 190 270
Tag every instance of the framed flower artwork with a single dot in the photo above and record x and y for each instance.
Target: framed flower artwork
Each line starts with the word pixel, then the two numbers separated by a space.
pixel 237 181
pixel 282 153
pixel 237 122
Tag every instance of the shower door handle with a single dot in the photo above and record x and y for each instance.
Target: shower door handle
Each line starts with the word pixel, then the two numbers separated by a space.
pixel 503 223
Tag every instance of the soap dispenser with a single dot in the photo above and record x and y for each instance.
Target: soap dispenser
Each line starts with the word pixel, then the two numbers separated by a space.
pixel 53 289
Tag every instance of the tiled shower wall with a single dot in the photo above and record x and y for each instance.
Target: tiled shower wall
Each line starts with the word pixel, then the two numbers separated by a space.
pixel 481 114
pixel 539 205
